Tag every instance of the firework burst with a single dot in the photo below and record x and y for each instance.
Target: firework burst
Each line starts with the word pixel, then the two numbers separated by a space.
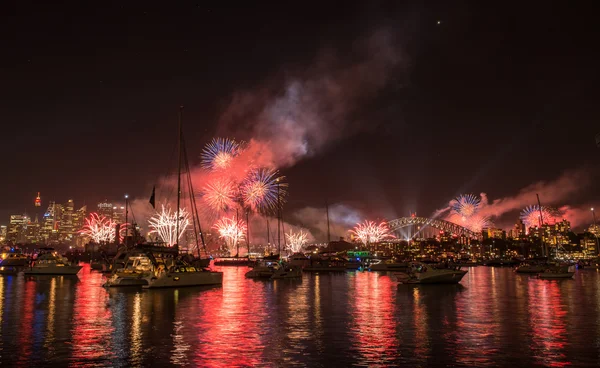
pixel 530 215
pixel 231 231
pixel 220 194
pixel 465 205
pixel 99 228
pixel 477 223
pixel 263 190
pixel 296 240
pixel 219 153
pixel 370 232
pixel 164 224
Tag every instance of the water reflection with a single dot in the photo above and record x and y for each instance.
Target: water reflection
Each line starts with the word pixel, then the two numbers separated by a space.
pixel 548 323
pixel 495 318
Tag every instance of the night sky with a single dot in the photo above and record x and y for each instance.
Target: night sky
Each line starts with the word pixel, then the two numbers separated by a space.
pixel 482 98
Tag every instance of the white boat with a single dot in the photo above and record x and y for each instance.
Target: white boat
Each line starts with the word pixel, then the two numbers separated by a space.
pixel 388 265
pixel 287 271
pixel 558 272
pixel 158 267
pixel 420 273
pixel 51 263
pixel 263 269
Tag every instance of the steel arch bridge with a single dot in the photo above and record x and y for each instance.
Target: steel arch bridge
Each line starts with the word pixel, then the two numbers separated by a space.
pixel 435 223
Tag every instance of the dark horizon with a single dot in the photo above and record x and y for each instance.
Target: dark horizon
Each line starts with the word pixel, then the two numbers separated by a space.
pixel 471 98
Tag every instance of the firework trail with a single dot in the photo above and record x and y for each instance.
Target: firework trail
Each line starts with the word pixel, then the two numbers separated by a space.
pixel 164 224
pixel 231 231
pixel 296 240
pixel 219 153
pixel 530 215
pixel 370 232
pixel 101 229
pixel 465 205
pixel 220 194
pixel 262 191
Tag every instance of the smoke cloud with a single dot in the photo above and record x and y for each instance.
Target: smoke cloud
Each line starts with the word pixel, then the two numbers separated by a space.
pixel 554 193
pixel 295 116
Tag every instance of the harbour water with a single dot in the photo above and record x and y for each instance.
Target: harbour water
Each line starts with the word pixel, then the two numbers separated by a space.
pixel 493 318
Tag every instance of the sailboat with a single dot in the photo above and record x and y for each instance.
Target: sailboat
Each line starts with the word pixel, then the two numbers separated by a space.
pixel 156 266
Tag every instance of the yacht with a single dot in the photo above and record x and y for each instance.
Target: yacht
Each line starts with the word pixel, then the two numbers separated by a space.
pixel 332 264
pixel 51 263
pixel 557 272
pixel 388 265
pixel 153 266
pixel 263 269
pixel 420 273
pixel 299 259
pixel 530 268
pixel 287 271
pixel 14 259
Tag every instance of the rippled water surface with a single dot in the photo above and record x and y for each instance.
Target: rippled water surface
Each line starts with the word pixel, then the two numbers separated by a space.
pixel 493 318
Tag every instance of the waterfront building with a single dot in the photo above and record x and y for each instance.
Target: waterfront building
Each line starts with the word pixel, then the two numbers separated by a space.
pixel 32 231
pixel 3 231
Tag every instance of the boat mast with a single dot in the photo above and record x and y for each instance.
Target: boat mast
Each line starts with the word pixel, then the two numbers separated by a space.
pixel 178 175
pixel 268 240
pixel 248 231
pixel 541 228
pixel 237 242
pixel 328 233
pixel 278 219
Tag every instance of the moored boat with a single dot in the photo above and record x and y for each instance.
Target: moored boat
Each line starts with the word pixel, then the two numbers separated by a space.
pixel 14 258
pixel 263 270
pixel 51 263
pixel 287 271
pixel 153 266
pixel 331 264
pixel 388 265
pixel 427 274
pixel 558 272
pixel 531 268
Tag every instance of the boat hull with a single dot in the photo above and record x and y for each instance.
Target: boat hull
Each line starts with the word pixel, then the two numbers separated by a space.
pixel 325 269
pixel 182 279
pixel 529 270
pixel 550 275
pixel 14 262
pixel 290 272
pixel 50 270
pixel 453 277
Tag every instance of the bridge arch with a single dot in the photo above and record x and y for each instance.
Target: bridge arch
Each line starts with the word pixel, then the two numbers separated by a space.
pixel 435 223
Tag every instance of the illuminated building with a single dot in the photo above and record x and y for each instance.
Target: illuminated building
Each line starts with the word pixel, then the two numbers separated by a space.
pixel 65 229
pixel 16 229
pixel 38 201
pixel 118 214
pixel 32 231
pixel 594 229
pixel 3 231
pixel 518 231
pixel 51 222
pixel 105 209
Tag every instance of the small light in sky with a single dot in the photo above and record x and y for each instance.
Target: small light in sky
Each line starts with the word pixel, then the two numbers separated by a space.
pixel 439 22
